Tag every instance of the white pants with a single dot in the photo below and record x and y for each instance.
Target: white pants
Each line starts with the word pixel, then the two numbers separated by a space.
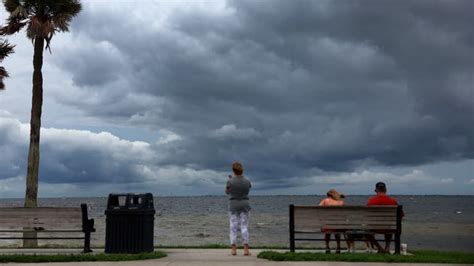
pixel 236 219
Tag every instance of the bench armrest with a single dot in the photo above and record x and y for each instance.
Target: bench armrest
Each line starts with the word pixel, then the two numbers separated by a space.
pixel 89 226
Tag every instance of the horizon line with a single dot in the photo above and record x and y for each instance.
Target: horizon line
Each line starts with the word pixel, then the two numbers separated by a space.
pixel 276 195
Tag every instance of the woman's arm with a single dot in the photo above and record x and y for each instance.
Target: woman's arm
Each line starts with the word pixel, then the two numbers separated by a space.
pixel 227 187
pixel 322 203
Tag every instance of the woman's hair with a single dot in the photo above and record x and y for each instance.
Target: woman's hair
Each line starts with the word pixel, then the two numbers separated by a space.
pixel 238 168
pixel 332 193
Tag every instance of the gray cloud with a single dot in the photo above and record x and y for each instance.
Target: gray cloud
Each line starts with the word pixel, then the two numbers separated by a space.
pixel 99 73
pixel 292 89
pixel 83 163
pixel 73 156
pixel 325 84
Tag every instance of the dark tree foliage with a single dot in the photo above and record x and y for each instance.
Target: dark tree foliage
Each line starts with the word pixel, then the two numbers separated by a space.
pixel 42 18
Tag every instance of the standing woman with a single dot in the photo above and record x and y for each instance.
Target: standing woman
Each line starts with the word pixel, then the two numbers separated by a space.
pixel 238 188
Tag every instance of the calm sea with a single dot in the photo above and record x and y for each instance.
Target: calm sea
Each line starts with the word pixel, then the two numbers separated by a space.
pixel 434 222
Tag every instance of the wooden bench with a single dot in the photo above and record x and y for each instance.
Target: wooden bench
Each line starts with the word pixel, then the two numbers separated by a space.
pixel 48 222
pixel 373 220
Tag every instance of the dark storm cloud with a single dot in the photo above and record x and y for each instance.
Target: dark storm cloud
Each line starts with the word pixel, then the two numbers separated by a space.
pixel 291 88
pixel 72 156
pixel 100 72
pixel 13 151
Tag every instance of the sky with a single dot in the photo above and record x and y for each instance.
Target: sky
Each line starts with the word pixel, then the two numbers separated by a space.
pixel 310 95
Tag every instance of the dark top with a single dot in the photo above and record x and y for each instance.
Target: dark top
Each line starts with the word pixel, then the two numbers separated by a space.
pixel 238 188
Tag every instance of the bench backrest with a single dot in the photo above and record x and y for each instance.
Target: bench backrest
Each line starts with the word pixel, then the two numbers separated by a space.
pixel 313 219
pixel 47 218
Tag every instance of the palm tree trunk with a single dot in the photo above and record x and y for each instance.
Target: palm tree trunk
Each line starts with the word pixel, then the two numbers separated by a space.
pixel 31 194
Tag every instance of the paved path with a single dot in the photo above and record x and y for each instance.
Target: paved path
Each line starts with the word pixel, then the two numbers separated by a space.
pixel 198 257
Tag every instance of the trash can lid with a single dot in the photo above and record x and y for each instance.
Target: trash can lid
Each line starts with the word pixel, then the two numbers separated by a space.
pixel 143 201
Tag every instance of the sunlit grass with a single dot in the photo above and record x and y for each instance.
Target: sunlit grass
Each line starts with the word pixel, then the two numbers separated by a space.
pixel 80 257
pixel 420 256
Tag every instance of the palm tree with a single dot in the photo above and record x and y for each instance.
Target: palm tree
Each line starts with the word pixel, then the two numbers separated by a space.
pixel 42 18
pixel 5 50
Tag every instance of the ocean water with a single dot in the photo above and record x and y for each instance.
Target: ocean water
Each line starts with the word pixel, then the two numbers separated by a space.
pixel 430 222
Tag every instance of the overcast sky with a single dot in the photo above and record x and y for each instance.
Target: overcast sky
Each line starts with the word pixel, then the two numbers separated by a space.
pixel 163 96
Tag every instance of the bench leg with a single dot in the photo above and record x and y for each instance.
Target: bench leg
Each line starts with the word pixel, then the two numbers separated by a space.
pixel 292 240
pixel 87 243
pixel 397 243
pixel 292 245
pixel 292 228
pixel 30 242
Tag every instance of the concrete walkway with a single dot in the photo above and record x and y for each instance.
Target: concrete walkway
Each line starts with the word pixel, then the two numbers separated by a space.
pixel 196 257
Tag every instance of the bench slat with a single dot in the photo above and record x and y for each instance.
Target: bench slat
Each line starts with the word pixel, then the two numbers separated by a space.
pixel 359 227
pixel 344 219
pixel 342 231
pixel 335 211
pixel 343 213
pixel 47 224
pixel 48 218
pixel 313 218
pixel 346 228
pixel 353 215
pixel 347 221
pixel 375 208
pixel 41 212
pixel 43 238
pixel 43 231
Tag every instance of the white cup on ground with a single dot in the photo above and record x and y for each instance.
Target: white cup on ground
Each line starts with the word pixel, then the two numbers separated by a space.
pixel 403 248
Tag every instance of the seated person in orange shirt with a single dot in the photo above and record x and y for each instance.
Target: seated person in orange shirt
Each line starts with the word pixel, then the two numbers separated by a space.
pixel 383 199
pixel 333 199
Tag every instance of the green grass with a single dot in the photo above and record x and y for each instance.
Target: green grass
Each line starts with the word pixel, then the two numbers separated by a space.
pixel 80 257
pixel 206 246
pixel 420 256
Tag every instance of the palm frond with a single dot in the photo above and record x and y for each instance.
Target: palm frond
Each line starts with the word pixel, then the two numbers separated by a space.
pixel 70 7
pixel 43 18
pixel 5 49
pixel 63 13
pixel 11 5
pixel 3 74
pixel 13 26
pixel 61 22
pixel 17 20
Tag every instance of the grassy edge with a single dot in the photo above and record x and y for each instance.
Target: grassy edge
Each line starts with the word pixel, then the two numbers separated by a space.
pixel 419 256
pixel 207 246
pixel 80 257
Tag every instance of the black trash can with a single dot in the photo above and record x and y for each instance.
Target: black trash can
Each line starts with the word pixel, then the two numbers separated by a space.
pixel 129 223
